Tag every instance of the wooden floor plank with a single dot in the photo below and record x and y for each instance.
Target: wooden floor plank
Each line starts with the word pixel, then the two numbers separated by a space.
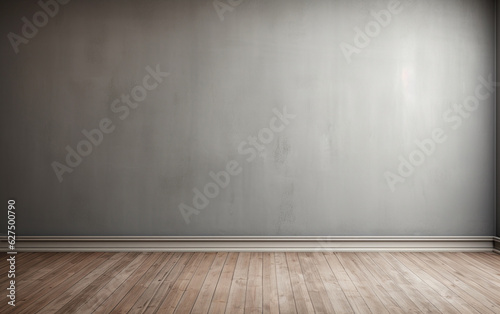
pixel 112 293
pixel 33 266
pixel 237 293
pixel 285 293
pixel 466 291
pixel 24 261
pixel 317 291
pixel 381 289
pixel 58 278
pixel 57 272
pixel 174 295
pixel 332 286
pixel 270 301
pixel 159 268
pixel 405 284
pixel 221 294
pixel 460 274
pixel 202 304
pixel 253 298
pixel 26 266
pixel 256 282
pixel 492 268
pixel 386 282
pixel 31 280
pixel 460 304
pixel 348 287
pixel 481 275
pixel 115 260
pixel 99 282
pixel 442 304
pixel 161 284
pixel 159 294
pixel 62 290
pixel 447 276
pixel 365 275
pixel 193 288
pixel 301 294
pixel 487 258
pixel 365 287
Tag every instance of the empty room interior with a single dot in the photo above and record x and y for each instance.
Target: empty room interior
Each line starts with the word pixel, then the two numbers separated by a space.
pixel 249 156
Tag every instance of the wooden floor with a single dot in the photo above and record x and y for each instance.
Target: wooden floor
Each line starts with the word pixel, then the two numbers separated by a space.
pixel 254 283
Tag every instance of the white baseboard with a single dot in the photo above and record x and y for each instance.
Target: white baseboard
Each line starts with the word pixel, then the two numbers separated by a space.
pixel 252 244
pixel 496 245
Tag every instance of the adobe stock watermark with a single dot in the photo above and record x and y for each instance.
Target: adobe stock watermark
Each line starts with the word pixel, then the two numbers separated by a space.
pixel 454 117
pixel 324 244
pixel 120 106
pixel 40 19
pixel 253 147
pixel 223 6
pixel 380 20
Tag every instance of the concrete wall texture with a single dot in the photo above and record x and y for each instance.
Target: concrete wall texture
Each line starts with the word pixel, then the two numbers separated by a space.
pixel 498 117
pixel 247 117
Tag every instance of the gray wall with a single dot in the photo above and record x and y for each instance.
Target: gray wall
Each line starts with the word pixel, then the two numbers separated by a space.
pixel 498 118
pixel 324 173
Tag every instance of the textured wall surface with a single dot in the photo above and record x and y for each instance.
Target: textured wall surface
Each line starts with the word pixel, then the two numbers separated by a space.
pixel 277 117
pixel 498 116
